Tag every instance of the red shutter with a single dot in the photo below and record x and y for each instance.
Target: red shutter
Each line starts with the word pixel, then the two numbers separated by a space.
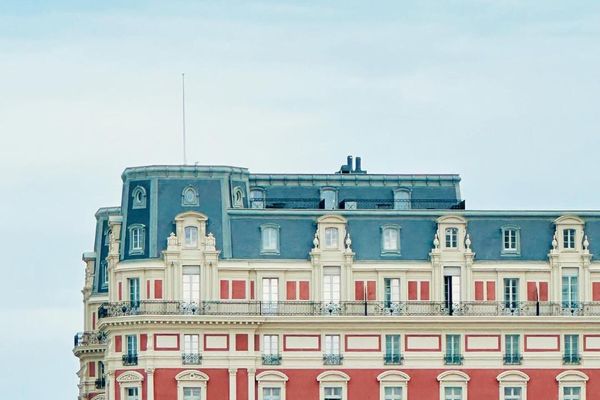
pixel 256 342
pixel 148 289
pixel 424 290
pixel 118 344
pixel 304 290
pixel 143 342
pixel 290 290
pixel 94 321
pixel 596 291
pixel 371 290
pixel 412 290
pixel 478 290
pixel 241 342
pixel 251 290
pixel 491 290
pixel 238 290
pixel 158 289
pixel 120 291
pixel 224 289
pixel 543 291
pixel 359 290
pixel 91 369
pixel 532 294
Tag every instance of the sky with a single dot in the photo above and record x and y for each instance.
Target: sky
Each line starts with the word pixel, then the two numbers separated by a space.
pixel 504 93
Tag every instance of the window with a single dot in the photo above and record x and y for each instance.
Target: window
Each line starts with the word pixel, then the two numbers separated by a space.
pixel 132 394
pixel 512 393
pixel 333 385
pixel 189 197
pixel 191 285
pixel 571 355
pixel 453 393
pixel 513 385
pixel 134 292
pixel 572 385
pixel 453 356
pixel 390 239
pixel 392 350
pixel 452 289
pixel 107 234
pixel 451 238
pixel 512 352
pixel 510 240
pixel 191 236
pixel 511 293
pixel 332 354
pixel 571 393
pixel 138 196
pixel 331 285
pixel 238 198
pixel 391 294
pixel 130 358
pixel 329 199
pixel 570 288
pixel 191 393
pixel 269 239
pixel 393 385
pixel 270 295
pixel 257 198
pixel 270 393
pixel 569 238
pixel 104 273
pixel 136 239
pixel 402 199
pixel 331 238
pixel 130 384
pixel 332 393
pixel 270 354
pixel 191 350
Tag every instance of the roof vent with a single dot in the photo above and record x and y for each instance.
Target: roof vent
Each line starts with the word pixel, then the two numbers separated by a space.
pixel 349 168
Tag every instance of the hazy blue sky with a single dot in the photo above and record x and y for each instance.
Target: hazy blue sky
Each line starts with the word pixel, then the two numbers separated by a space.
pixel 506 93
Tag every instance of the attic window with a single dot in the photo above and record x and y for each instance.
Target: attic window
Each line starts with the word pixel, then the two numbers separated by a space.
pixel 189 197
pixel 139 197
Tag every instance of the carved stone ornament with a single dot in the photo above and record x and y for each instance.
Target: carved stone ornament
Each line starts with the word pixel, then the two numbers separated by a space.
pixel 554 241
pixel 210 242
pixel 468 242
pixel 436 241
pixel 586 243
pixel 316 240
pixel 191 375
pixel 348 242
pixel 130 376
pixel 172 240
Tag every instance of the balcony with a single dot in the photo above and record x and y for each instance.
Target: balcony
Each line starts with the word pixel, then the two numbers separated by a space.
pixel 100 383
pixel 130 359
pixel 571 359
pixel 332 359
pixel 348 308
pixel 361 204
pixel 90 338
pixel 191 358
pixel 513 359
pixel 453 359
pixel 393 359
pixel 271 359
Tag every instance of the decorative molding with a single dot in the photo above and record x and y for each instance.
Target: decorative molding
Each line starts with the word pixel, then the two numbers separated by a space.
pixel 130 376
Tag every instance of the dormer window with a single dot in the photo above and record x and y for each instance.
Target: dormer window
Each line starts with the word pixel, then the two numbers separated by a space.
pixel 329 198
pixel 238 198
pixel 451 238
pixel 191 236
pixel 269 239
pixel 331 238
pixel 104 273
pixel 402 199
pixel 136 239
pixel 511 239
pixel 569 238
pixel 390 239
pixel 257 198
pixel 138 196
pixel 189 197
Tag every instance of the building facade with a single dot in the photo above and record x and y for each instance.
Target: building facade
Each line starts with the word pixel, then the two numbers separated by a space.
pixel 215 283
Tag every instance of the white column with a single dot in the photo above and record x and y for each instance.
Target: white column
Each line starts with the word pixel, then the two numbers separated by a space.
pixel 110 385
pixel 150 383
pixel 232 383
pixel 251 383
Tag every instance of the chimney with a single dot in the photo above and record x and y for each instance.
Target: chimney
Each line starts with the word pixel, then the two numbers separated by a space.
pixel 349 163
pixel 357 168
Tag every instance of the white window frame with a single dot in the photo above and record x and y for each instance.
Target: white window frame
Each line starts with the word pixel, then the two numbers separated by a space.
pixel 324 192
pixel 569 236
pixel 332 238
pixel 191 387
pixel 270 294
pixel 140 203
pixel 271 379
pixel 129 380
pixel 402 199
pixel 237 197
pixel 453 378
pixel 333 345
pixel 332 285
pixel 271 388
pixel 333 379
pixel 189 347
pixel 572 378
pixel 512 232
pixel 137 231
pixel 451 237
pixel 191 379
pixel 257 202
pixel 190 234
pixel 190 202
pixel 190 284
pixel 390 245
pixel 275 231
pixel 512 378
pixel 104 272
pixel 270 345
pixel 393 378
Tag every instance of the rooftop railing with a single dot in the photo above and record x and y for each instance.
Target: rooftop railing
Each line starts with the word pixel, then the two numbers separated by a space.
pixel 348 308
pixel 359 204
pixel 89 338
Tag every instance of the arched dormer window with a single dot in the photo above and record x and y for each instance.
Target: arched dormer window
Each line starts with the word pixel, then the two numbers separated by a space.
pixel 190 237
pixel 137 237
pixel 390 239
pixel 191 385
pixel 393 385
pixel 453 385
pixel 402 199
pixel 269 235
pixel 189 197
pixel 333 385
pixel 513 385
pixel 238 197
pixel 271 385
pixel 138 196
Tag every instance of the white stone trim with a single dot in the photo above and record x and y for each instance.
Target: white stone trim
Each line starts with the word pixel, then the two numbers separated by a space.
pixel 130 379
pixel 513 378
pixel 453 379
pixel 271 379
pixel 333 379
pixel 393 378
pixel 191 379
pixel 572 378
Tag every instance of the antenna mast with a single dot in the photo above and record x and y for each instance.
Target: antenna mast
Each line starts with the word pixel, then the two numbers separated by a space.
pixel 183 116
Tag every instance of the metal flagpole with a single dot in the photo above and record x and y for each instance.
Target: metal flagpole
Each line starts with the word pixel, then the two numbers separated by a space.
pixel 183 109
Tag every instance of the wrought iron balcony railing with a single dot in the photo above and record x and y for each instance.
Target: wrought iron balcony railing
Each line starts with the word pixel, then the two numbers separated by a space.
pixel 130 359
pixel 332 359
pixel 453 359
pixel 100 383
pixel 572 359
pixel 393 359
pixel 359 204
pixel 89 338
pixel 191 358
pixel 513 359
pixel 271 359
pixel 347 308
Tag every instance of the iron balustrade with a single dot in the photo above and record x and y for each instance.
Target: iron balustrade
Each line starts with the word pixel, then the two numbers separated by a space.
pixel 191 358
pixel 393 359
pixel 359 204
pixel 513 359
pixel 130 359
pixel 100 383
pixel 345 308
pixel 332 359
pixel 89 338
pixel 271 359
pixel 453 359
pixel 572 359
